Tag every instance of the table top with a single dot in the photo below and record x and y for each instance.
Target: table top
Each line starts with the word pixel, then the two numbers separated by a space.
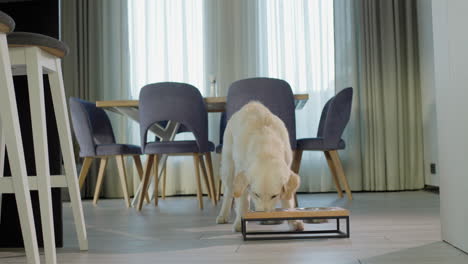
pixel 213 104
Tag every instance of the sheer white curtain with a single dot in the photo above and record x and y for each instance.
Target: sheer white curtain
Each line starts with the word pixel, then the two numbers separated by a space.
pixel 167 44
pixel 296 44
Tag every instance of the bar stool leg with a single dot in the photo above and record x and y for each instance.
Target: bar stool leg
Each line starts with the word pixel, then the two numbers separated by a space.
pixel 63 124
pixel 9 116
pixel 41 153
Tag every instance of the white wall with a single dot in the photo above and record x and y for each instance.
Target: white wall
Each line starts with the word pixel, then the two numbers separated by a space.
pixel 426 62
pixel 450 22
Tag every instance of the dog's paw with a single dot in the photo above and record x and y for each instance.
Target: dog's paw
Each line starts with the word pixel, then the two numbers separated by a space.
pixel 237 227
pixel 221 219
pixel 296 225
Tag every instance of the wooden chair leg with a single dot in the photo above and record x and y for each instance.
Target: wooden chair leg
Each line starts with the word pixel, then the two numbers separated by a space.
pixel 296 163
pixel 340 172
pixel 207 179
pixel 123 178
pixel 204 175
pixel 196 161
pixel 146 178
pixel 156 179
pixel 163 194
pixel 211 176
pixel 102 168
pixel 295 167
pixel 333 173
pixel 84 170
pixel 139 168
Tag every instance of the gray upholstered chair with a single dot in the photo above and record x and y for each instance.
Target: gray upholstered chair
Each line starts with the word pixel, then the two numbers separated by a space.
pixel 334 118
pixel 93 131
pixel 275 94
pixel 181 103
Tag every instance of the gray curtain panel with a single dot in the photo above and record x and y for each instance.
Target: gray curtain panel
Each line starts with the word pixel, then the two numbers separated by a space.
pixel 377 53
pixel 97 69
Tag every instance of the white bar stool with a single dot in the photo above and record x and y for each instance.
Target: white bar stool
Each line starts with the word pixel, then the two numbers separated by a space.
pixel 34 55
pixel 11 136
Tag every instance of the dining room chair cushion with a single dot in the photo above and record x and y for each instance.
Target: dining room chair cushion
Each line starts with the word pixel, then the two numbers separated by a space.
pixel 117 149
pixel 318 144
pixel 7 24
pixel 275 94
pixel 178 102
pixel 172 147
pixel 46 43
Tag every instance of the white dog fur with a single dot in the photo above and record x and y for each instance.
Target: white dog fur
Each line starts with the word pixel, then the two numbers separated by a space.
pixel 256 163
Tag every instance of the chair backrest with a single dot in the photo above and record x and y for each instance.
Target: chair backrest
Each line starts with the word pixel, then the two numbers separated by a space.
pixel 335 116
pixel 179 102
pixel 91 126
pixel 275 94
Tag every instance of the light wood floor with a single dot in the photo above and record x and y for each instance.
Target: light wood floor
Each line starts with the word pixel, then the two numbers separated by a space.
pixel 385 228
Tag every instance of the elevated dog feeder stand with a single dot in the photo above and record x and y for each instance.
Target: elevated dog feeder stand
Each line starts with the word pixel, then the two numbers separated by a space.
pixel 311 213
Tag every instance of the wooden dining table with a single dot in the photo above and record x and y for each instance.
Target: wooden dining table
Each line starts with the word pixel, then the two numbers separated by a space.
pixel 129 108
pixel 213 104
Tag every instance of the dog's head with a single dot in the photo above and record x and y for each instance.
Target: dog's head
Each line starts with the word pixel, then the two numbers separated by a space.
pixel 267 183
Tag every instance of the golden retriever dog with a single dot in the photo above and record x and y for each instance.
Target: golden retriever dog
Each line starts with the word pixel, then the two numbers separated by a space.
pixel 256 164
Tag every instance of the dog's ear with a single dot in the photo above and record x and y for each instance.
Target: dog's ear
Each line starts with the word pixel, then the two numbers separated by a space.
pixel 290 187
pixel 240 183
